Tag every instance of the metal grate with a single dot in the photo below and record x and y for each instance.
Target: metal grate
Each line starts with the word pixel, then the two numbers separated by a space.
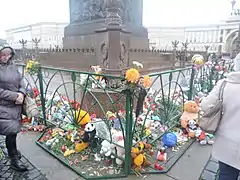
pixel 6 173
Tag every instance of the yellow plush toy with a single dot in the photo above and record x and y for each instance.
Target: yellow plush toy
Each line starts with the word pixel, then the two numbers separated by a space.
pixel 82 117
pixel 79 146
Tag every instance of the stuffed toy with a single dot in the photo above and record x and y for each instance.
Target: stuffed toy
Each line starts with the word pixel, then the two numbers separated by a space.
pixel 101 79
pixel 191 112
pixel 145 120
pixel 90 135
pixel 117 138
pixel 162 155
pixel 83 117
pixel 106 149
pixel 189 123
pixel 80 145
pixel 139 159
pixel 203 138
pixel 155 129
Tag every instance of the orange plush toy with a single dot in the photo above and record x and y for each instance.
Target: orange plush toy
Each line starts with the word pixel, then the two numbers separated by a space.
pixel 191 112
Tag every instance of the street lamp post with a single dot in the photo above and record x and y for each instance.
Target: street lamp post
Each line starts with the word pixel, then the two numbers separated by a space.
pixel 23 44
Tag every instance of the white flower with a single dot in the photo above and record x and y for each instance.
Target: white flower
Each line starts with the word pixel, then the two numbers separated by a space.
pixel 138 64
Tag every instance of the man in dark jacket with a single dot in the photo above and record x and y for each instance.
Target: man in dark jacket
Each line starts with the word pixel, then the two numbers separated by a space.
pixel 12 93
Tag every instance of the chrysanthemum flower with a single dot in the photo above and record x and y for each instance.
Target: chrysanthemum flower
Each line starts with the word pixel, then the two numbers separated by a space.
pixel 147 81
pixel 132 75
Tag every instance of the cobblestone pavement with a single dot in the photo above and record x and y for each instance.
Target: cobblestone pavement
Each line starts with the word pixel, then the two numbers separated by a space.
pixel 6 173
pixel 210 171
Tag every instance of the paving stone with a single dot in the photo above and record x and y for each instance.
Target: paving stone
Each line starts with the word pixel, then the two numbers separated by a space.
pixel 212 166
pixel 6 173
pixel 207 175
pixel 212 159
pixel 211 171
pixel 51 167
pixel 192 163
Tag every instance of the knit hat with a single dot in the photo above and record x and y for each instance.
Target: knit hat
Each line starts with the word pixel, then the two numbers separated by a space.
pixel 237 63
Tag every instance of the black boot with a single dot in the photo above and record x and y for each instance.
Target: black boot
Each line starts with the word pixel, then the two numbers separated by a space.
pixel 17 165
pixel 19 154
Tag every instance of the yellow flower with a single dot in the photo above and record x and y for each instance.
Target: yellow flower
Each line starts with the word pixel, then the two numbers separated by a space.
pixel 132 75
pixel 29 65
pixel 147 81
pixel 32 67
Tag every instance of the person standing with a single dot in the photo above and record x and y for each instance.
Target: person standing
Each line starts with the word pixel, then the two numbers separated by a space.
pixel 226 148
pixel 12 93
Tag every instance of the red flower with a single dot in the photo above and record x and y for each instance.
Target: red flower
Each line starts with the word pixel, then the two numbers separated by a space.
pixel 153 107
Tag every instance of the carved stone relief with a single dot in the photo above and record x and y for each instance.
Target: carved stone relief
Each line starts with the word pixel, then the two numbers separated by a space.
pixel 104 52
pixel 122 54
pixel 87 10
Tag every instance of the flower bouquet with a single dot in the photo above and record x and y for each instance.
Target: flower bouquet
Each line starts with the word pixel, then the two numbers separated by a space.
pixel 134 79
pixel 32 67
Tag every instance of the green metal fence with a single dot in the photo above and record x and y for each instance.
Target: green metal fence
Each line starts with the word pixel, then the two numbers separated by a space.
pixel 70 99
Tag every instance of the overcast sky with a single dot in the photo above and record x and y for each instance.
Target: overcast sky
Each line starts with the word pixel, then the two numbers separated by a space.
pixel 156 12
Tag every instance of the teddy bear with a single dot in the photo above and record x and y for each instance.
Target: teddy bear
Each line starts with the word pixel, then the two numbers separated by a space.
pixel 106 149
pixel 189 117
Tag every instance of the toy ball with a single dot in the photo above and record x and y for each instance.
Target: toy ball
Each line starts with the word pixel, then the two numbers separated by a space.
pixel 198 59
pixel 169 140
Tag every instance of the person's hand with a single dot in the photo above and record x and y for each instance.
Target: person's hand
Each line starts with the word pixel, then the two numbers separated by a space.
pixel 20 98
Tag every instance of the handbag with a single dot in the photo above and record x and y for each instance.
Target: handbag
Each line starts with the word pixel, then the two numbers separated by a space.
pixel 30 108
pixel 211 119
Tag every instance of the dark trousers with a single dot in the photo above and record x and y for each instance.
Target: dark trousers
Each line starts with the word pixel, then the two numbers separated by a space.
pixel 11 144
pixel 227 172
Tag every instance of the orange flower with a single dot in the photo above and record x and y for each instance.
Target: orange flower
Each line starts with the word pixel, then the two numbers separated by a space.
pixel 147 81
pixel 132 75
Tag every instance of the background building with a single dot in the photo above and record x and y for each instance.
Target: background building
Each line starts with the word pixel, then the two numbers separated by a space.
pixel 2 42
pixel 161 38
pixel 50 33
pixel 222 37
pixel 215 36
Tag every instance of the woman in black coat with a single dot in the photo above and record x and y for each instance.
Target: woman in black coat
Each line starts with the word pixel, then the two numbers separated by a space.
pixel 12 93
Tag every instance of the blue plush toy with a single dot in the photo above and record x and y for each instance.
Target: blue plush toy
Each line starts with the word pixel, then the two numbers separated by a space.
pixel 169 140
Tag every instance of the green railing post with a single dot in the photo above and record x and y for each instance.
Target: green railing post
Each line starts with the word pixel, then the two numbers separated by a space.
pixel 128 134
pixel 42 98
pixel 191 83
